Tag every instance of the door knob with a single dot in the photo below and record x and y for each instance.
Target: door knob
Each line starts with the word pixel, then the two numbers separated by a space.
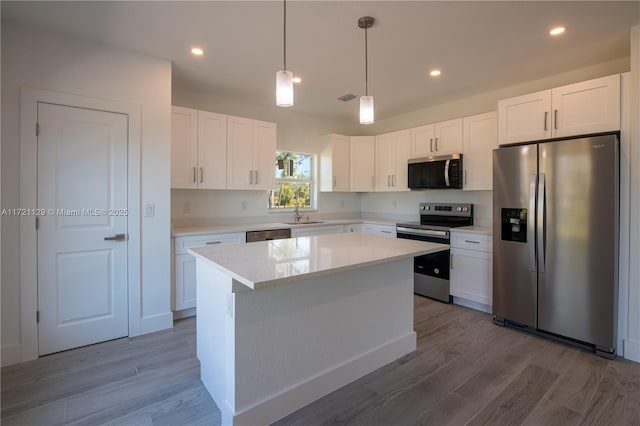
pixel 117 237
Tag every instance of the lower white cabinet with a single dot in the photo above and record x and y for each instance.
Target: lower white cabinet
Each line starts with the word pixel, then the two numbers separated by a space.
pixel 316 230
pixel 353 227
pixel 471 268
pixel 185 264
pixel 379 229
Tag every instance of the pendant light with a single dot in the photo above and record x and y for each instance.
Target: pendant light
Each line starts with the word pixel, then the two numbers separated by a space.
pixel 284 78
pixel 366 101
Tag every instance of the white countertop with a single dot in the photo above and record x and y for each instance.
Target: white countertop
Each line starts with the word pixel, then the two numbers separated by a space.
pixel 474 230
pixel 270 263
pixel 219 229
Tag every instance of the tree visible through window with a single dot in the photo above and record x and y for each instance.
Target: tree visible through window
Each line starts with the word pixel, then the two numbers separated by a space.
pixel 294 181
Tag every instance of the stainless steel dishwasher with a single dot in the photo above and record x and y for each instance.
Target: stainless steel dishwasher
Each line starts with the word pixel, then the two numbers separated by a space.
pixel 269 234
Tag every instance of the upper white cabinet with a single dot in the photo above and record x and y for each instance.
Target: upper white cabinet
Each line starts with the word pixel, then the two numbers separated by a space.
pixel 198 149
pixel 480 138
pixel 251 148
pixel 437 139
pixel 587 107
pixel 392 151
pixel 361 163
pixel 334 164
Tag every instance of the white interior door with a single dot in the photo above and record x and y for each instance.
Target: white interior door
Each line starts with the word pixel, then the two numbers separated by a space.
pixel 82 186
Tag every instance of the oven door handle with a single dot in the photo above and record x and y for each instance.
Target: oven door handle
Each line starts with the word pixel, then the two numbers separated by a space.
pixel 446 172
pixel 422 231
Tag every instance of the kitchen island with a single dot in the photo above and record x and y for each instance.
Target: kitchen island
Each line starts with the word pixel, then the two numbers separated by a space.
pixel 282 323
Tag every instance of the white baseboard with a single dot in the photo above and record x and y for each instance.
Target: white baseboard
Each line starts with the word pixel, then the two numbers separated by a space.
pixel 185 313
pixel 473 305
pixel 11 354
pixel 631 350
pixel 290 400
pixel 155 323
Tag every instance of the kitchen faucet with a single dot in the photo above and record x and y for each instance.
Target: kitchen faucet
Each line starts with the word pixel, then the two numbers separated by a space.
pixel 296 211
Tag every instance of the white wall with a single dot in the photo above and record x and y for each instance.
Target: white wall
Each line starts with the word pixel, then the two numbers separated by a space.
pixel 53 62
pixel 632 343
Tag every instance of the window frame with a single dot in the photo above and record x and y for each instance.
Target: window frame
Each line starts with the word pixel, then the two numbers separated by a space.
pixel 313 184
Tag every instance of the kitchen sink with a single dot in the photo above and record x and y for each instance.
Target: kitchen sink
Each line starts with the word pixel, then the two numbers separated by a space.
pixel 309 222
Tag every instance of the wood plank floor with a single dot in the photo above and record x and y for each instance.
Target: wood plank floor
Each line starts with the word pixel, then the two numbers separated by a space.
pixel 466 371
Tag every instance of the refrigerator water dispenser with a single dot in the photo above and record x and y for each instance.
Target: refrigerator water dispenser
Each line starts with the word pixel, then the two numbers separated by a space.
pixel 514 225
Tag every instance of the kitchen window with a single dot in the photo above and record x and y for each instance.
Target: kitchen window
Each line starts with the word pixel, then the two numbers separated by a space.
pixel 295 185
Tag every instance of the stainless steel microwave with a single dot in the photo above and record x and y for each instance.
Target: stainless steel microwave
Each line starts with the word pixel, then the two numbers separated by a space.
pixel 436 172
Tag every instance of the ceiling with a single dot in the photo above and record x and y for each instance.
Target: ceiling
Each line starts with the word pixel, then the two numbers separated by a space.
pixel 479 46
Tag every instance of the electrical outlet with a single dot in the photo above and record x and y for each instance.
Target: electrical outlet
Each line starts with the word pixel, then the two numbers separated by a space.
pixel 244 205
pixel 186 207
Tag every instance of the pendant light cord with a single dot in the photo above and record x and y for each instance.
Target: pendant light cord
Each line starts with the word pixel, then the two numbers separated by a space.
pixel 366 65
pixel 285 35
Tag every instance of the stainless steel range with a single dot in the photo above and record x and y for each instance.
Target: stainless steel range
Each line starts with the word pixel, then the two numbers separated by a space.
pixel 431 271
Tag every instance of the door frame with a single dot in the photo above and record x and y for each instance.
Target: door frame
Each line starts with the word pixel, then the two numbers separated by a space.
pixel 28 200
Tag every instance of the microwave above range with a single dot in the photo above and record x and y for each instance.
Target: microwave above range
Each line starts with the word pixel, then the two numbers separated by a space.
pixel 443 172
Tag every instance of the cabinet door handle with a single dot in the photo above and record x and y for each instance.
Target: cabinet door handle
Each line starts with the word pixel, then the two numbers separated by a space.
pixel 465 176
pixel 388 181
pixel 451 262
pixel 250 177
pixel 194 175
pixel 213 242
pixel 471 241
pixel 201 174
pixel 393 180
pixel 555 119
pixel 431 145
pixel 117 237
pixel 436 144
pixel 546 120
pixel 256 177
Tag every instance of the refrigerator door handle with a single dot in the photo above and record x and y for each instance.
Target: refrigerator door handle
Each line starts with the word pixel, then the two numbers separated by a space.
pixel 542 220
pixel 531 226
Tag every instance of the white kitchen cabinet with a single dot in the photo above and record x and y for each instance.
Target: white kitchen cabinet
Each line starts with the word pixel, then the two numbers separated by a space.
pixel 392 151
pixel 480 138
pixel 471 269
pixel 444 138
pixel 309 231
pixel 353 227
pixel 334 164
pixel 361 163
pixel 576 109
pixel 185 264
pixel 251 148
pixel 198 149
pixel 379 229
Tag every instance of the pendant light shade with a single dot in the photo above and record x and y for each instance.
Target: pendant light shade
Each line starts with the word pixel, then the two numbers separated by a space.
pixel 366 109
pixel 284 78
pixel 366 101
pixel 284 88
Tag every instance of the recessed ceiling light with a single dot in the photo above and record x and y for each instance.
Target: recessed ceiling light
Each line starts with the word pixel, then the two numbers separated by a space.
pixel 557 31
pixel 435 73
pixel 297 80
pixel 196 51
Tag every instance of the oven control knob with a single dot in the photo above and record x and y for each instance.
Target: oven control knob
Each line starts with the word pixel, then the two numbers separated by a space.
pixel 465 209
pixel 427 207
pixel 459 209
pixel 436 270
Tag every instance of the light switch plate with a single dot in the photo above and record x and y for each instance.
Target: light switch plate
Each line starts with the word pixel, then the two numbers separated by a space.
pixel 149 210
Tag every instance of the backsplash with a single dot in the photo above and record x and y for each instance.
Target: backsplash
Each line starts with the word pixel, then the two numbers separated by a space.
pixel 192 207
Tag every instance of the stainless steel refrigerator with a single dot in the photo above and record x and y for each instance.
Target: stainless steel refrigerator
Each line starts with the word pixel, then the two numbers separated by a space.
pixel 555 244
